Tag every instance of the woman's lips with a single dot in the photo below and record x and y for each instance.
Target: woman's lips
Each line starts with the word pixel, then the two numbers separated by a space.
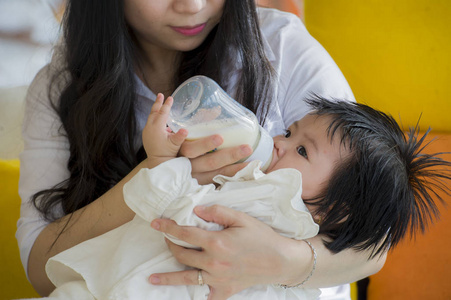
pixel 190 30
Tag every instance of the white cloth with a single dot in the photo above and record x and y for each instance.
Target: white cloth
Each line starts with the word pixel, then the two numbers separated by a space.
pixel 302 67
pixel 116 265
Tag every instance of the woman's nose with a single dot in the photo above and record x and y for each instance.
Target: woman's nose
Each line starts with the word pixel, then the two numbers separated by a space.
pixel 189 6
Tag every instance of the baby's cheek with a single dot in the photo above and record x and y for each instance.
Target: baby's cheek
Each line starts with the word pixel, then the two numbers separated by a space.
pixel 312 186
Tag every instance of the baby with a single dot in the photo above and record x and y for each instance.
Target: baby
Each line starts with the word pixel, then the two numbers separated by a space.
pixel 361 179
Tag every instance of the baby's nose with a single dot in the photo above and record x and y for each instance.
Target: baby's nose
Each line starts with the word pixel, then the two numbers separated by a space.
pixel 280 146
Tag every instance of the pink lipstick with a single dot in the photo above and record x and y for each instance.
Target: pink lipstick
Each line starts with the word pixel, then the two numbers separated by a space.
pixel 189 31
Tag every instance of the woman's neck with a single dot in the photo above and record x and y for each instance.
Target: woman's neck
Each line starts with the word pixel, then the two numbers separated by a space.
pixel 156 67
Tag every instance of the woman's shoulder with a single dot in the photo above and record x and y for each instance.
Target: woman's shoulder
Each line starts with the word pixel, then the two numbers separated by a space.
pixel 285 36
pixel 50 80
pixel 273 20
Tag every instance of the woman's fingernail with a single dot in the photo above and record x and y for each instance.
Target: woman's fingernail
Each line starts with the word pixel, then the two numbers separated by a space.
pixel 154 280
pixel 245 150
pixel 199 208
pixel 155 225
pixel 217 141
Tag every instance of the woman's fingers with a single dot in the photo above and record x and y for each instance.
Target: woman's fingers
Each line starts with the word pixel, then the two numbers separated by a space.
pixel 221 215
pixel 196 148
pixel 186 256
pixel 187 277
pixel 191 277
pixel 218 289
pixel 207 165
pixel 207 177
pixel 247 252
pixel 199 149
pixel 192 235
pixel 219 159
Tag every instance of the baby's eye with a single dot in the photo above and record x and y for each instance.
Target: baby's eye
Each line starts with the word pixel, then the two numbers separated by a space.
pixel 287 133
pixel 301 150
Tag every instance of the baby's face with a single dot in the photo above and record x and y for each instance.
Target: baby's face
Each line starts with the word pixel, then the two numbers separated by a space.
pixel 306 147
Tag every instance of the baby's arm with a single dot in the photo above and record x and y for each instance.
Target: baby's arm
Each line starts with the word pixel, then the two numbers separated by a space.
pixel 159 142
pixel 150 192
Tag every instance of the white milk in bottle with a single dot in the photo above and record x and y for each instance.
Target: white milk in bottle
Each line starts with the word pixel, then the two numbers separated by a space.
pixel 204 109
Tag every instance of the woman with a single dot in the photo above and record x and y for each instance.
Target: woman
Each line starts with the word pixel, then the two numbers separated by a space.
pixel 86 110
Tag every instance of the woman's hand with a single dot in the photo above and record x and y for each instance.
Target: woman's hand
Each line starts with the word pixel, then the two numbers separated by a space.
pixel 206 165
pixel 247 252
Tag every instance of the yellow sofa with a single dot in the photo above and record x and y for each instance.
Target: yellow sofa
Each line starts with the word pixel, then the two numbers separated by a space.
pixel 13 282
pixel 396 57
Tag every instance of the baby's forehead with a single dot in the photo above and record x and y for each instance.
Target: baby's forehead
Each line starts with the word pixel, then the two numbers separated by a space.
pixel 311 118
pixel 322 124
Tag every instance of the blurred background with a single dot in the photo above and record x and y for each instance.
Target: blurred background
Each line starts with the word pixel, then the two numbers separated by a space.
pixel 28 29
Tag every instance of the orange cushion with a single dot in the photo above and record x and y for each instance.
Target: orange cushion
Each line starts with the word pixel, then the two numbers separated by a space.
pixel 420 268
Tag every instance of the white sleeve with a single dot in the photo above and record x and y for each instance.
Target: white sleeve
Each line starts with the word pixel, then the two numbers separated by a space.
pixel 151 191
pixel 43 161
pixel 302 65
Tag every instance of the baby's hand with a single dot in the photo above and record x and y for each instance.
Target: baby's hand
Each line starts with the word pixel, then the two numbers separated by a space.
pixel 160 143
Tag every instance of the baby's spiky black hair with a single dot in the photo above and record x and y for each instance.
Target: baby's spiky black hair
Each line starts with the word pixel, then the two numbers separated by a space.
pixel 385 188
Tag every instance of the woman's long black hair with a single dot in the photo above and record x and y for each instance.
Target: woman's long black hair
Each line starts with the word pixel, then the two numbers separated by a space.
pixel 97 107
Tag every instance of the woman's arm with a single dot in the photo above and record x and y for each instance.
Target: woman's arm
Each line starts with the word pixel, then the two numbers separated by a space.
pixel 43 165
pixel 344 267
pixel 106 213
pixel 248 252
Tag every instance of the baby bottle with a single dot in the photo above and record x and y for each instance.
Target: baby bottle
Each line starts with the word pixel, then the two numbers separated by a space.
pixel 203 108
